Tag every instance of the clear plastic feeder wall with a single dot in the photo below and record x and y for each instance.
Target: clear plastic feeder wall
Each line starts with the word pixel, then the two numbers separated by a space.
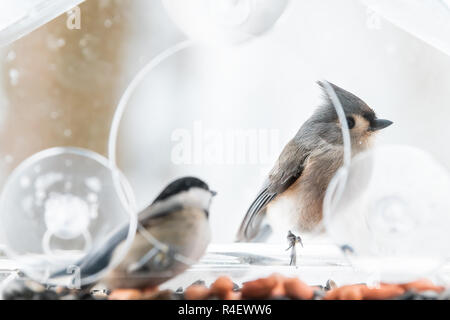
pixel 57 206
pixel 207 124
pixel 385 218
pixel 225 22
pixel 216 89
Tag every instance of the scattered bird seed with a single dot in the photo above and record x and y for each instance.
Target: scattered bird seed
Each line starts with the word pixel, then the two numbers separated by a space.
pixel 199 282
pixel 330 285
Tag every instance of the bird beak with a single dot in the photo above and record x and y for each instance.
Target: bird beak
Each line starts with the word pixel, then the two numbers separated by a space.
pixel 379 124
pixel 213 193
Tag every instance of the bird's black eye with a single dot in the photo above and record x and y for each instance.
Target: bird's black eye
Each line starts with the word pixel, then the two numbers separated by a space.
pixel 350 122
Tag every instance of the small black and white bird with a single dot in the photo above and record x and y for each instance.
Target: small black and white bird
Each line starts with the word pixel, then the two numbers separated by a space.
pixel 296 185
pixel 173 233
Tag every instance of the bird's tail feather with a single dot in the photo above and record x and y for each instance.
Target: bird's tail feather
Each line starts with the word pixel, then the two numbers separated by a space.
pixel 250 228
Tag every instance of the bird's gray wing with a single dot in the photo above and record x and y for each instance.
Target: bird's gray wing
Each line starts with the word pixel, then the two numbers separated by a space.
pixel 286 171
pixel 152 214
pixel 99 257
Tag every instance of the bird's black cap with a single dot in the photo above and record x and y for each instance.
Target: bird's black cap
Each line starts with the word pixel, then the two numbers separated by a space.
pixel 180 185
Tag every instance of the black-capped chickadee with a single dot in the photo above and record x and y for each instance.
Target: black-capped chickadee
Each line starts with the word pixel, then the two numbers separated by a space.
pixel 297 183
pixel 173 233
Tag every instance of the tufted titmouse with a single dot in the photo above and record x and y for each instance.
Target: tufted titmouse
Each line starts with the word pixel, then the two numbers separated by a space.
pixel 299 179
pixel 173 233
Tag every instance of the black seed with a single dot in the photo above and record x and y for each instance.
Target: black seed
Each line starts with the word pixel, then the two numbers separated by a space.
pixel 408 295
pixel 429 295
pixel 199 283
pixel 318 295
pixel 330 285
